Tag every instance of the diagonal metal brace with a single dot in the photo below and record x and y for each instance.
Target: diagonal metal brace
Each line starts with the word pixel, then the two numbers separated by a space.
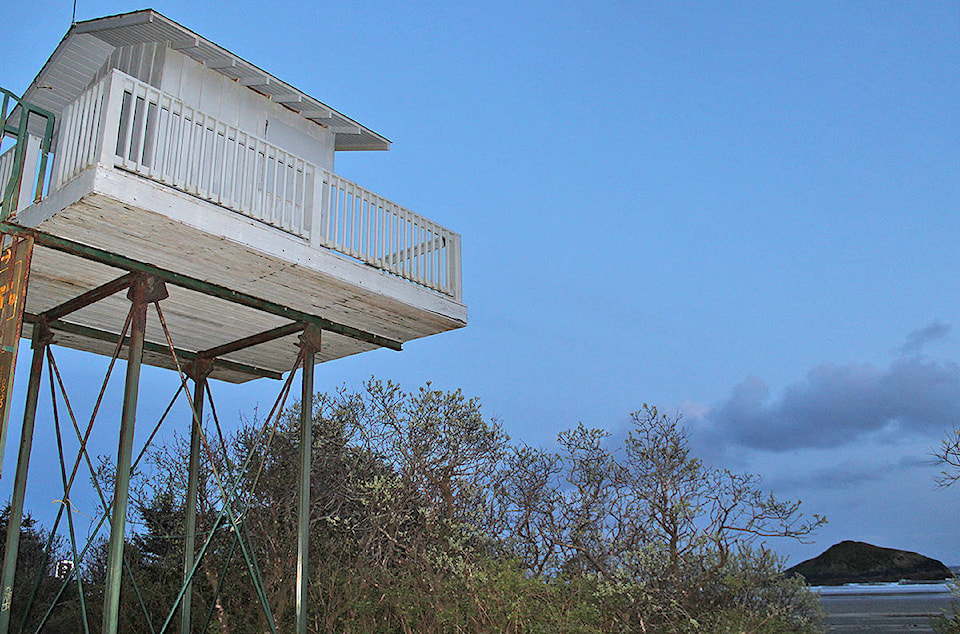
pixel 252 340
pixel 90 297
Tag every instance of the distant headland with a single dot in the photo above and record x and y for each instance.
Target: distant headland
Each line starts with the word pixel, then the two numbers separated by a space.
pixel 859 562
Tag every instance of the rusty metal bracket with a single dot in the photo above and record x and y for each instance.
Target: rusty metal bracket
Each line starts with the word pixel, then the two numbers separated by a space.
pixel 310 339
pixel 147 289
pixel 42 334
pixel 199 369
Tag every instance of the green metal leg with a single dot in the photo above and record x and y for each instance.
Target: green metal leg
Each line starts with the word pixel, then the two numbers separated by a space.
pixel 41 338
pixel 310 341
pixel 198 372
pixel 142 292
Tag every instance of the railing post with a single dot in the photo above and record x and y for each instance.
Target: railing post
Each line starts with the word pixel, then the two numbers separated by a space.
pixel 41 339
pixel 310 343
pixel 64 161
pixel 454 280
pixel 143 291
pixel 327 209
pixel 56 166
pixel 110 120
pixel 313 205
pixel 44 177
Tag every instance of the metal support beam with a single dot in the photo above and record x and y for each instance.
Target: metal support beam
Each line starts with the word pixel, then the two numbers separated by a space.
pixel 143 291
pixel 310 343
pixel 198 371
pixel 41 339
pixel 90 297
pixel 208 288
pixel 149 346
pixel 252 340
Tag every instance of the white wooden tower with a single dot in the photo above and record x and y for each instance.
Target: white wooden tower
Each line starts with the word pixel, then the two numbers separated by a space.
pixel 172 151
pixel 149 159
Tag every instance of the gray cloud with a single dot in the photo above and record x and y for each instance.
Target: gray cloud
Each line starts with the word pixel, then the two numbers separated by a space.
pixel 838 404
pixel 848 473
pixel 917 339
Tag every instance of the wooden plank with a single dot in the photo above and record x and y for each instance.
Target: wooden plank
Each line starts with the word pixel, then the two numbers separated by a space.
pixel 196 321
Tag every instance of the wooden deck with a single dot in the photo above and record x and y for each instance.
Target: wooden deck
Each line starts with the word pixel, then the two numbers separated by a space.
pixel 129 215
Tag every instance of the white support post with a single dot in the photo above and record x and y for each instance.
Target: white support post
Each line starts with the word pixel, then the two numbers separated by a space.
pixel 61 148
pixel 28 178
pixel 110 120
pixel 454 284
pixel 318 207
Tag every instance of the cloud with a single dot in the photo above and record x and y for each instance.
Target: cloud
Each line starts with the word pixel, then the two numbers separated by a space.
pixel 840 404
pixel 917 339
pixel 848 470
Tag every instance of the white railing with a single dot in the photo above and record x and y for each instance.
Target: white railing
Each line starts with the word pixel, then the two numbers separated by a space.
pixel 366 226
pixel 79 144
pixel 125 123
pixel 160 137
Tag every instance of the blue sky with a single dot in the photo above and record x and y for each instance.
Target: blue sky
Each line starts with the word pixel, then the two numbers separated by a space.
pixel 744 212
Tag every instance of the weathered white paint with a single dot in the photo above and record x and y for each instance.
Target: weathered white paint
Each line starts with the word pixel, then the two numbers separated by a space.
pixel 147 221
pixel 236 105
pixel 151 133
pixel 128 214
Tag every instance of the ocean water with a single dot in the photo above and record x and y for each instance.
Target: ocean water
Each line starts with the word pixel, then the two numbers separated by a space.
pixel 884 607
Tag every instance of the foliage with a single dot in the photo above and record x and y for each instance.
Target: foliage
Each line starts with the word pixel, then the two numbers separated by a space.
pixel 671 543
pixel 425 517
pixel 38 554
pixel 948 455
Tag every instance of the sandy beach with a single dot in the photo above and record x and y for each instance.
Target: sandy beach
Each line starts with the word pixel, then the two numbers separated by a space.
pixel 885 608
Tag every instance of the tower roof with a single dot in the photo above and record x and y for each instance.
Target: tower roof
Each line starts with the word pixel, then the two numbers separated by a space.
pixel 88 44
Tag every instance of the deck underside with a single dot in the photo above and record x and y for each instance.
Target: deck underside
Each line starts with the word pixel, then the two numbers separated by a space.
pixel 127 215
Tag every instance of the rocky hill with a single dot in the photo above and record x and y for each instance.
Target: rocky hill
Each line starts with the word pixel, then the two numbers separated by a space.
pixel 858 562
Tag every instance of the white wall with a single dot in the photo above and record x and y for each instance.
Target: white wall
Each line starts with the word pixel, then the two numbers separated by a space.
pixel 142 61
pixel 223 98
pixel 228 101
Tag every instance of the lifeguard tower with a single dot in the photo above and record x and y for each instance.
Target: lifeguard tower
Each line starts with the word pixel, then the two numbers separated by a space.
pixel 149 165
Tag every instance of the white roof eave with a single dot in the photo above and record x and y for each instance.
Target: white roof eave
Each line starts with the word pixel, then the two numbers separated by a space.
pixel 89 43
